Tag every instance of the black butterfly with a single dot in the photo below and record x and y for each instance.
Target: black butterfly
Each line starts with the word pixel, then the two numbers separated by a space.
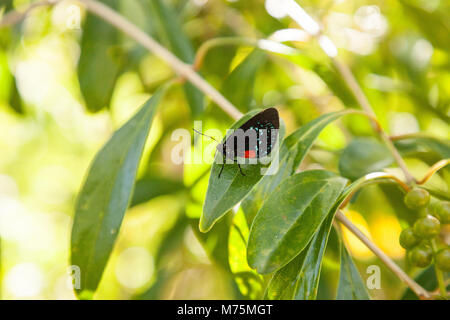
pixel 254 139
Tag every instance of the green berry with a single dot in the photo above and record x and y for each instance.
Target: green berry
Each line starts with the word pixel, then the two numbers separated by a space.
pixel 421 256
pixel 408 239
pixel 443 212
pixel 443 259
pixel 427 227
pixel 433 208
pixel 417 198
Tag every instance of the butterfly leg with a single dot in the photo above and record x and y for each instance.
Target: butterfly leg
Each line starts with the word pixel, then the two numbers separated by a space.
pixel 221 169
pixel 240 169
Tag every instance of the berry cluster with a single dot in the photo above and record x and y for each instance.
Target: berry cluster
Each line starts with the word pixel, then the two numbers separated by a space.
pixel 417 239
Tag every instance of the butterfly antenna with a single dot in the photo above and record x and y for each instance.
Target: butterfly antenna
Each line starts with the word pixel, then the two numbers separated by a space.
pixel 204 135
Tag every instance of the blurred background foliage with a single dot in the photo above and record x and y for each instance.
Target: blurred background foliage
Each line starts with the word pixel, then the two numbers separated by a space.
pixel 68 80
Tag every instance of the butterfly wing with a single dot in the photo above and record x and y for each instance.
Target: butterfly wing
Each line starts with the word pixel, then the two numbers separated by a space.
pixel 255 138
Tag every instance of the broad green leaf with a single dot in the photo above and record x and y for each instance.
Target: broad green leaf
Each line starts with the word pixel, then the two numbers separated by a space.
pixel 248 281
pixel 292 152
pixel 299 279
pixel 238 86
pixel 363 156
pixel 105 196
pixel 224 192
pixel 351 286
pixel 290 217
pixel 101 60
pixel 169 31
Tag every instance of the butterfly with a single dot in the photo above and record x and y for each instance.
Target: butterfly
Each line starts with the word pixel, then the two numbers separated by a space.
pixel 252 140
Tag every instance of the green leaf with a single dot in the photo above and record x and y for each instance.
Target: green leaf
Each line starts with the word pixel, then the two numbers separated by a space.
pixel 248 281
pixel 169 31
pixel 292 152
pixel 299 279
pixel 290 217
pixel 363 156
pixel 232 187
pixel 238 86
pixel 100 61
pixel 105 196
pixel 351 286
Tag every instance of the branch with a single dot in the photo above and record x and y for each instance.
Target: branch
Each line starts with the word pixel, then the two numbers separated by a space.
pixel 183 69
pixel 304 20
pixel 349 78
pixel 418 290
pixel 118 21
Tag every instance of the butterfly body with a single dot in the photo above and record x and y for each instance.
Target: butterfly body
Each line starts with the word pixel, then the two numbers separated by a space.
pixel 252 140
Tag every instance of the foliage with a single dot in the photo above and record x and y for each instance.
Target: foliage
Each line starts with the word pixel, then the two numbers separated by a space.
pixel 146 227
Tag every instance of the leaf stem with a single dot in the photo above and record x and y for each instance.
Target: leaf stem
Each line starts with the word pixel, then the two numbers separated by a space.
pixel 436 167
pixel 371 178
pixel 418 290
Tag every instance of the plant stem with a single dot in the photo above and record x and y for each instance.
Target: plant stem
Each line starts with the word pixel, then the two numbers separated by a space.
pixel 439 273
pixel 371 178
pixel 183 69
pixel 436 167
pixel 349 78
pixel 418 290
pixel 303 19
